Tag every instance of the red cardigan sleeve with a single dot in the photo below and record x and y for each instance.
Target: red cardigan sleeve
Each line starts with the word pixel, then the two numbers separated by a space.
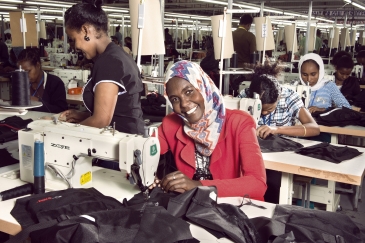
pixel 245 156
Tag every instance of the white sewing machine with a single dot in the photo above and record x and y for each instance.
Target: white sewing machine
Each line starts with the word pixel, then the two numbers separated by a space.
pixel 69 150
pixel 59 59
pixel 251 105
pixel 358 70
pixel 72 78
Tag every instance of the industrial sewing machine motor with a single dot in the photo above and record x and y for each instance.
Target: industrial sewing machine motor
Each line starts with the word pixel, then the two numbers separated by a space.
pixel 251 105
pixel 69 150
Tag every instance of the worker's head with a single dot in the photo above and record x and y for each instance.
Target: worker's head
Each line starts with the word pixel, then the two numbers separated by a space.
pixel 167 30
pixel 114 39
pixel 117 28
pixel 246 21
pixel 311 70
pixel 195 98
pixel 360 58
pixel 342 61
pixel 30 61
pixel 265 84
pixel 319 32
pixel 87 25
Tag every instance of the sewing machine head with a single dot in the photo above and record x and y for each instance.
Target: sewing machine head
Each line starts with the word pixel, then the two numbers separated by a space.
pixel 251 105
pixel 70 148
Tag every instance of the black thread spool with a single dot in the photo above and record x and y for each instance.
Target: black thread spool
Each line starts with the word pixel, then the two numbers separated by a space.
pixel 20 88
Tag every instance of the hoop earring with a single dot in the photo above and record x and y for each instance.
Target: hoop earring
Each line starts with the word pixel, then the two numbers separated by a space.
pixel 87 38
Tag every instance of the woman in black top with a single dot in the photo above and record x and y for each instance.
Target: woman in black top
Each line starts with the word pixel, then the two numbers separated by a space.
pixel 112 94
pixel 348 85
pixel 46 88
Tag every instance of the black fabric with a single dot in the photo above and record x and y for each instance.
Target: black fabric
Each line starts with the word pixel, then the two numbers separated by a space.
pixel 154 104
pixel 6 158
pixel 341 117
pixel 350 88
pixel 54 96
pixel 9 128
pixel 275 143
pixel 298 224
pixel 331 153
pixel 115 65
pixel 4 53
pixel 199 208
pixel 359 100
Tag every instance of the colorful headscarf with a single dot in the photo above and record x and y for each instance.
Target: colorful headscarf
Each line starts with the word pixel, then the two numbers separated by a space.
pixel 206 132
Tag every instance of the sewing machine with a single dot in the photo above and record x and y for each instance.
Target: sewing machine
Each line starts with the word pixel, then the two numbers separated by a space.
pixel 72 77
pixel 358 71
pixel 59 59
pixel 251 105
pixel 69 150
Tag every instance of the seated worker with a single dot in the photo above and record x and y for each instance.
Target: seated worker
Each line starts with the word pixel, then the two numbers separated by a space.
pixel 324 94
pixel 347 84
pixel 211 145
pixel 126 49
pixel 281 107
pixel 46 88
pixel 360 58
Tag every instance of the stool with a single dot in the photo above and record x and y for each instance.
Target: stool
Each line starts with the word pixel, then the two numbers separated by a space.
pixel 305 182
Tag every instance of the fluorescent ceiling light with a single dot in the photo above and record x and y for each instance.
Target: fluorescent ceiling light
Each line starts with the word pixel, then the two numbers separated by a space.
pixel 326 20
pixel 44 10
pixel 50 17
pixel 358 5
pixel 50 4
pixel 187 16
pixel 273 11
pixel 8 7
pixel 4 13
pixel 243 10
pixel 213 1
pixel 115 10
pixel 119 15
pixel 11 1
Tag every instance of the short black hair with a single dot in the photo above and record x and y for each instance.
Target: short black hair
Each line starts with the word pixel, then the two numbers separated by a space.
pixel 246 19
pixel 87 13
pixel 31 55
pixel 342 59
pixel 166 30
pixel 264 84
pixel 114 38
pixel 318 32
pixel 117 28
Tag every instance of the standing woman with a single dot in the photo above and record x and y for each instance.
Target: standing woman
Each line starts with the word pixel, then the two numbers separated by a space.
pixel 46 88
pixel 347 84
pixel 211 145
pixel 113 92
pixel 324 94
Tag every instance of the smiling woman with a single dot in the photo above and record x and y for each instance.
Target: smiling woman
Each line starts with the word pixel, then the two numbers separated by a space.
pixel 113 92
pixel 211 146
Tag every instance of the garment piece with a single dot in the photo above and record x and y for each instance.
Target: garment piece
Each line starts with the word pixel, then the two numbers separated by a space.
pixel 6 158
pixel 307 225
pixel 236 163
pixel 275 143
pixel 54 95
pixel 244 44
pixel 9 128
pixel 331 153
pixel 116 66
pixel 207 130
pixel 341 117
pixel 199 207
pixel 119 37
pixel 350 88
pixel 287 109
pixel 328 96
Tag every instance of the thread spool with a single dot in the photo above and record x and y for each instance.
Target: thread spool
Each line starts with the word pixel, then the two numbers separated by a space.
pixel 20 88
pixel 38 170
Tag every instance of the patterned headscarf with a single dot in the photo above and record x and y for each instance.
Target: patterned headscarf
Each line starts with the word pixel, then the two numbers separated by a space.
pixel 205 132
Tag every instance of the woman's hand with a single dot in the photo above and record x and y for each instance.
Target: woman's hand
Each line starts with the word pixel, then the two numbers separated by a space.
pixel 177 181
pixel 315 108
pixel 265 131
pixel 73 116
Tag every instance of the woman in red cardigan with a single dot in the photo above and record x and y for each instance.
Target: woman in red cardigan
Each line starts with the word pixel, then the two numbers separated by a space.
pixel 212 146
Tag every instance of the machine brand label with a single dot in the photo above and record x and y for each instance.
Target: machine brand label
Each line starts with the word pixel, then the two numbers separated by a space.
pixel 259 107
pixel 85 178
pixel 60 146
pixel 153 150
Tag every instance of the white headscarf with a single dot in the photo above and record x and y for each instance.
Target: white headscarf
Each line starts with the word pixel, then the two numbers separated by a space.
pixel 315 57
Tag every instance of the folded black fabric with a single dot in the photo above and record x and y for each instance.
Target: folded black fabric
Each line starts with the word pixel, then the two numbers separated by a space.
pixel 331 153
pixel 6 158
pixel 9 128
pixel 341 117
pixel 275 143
